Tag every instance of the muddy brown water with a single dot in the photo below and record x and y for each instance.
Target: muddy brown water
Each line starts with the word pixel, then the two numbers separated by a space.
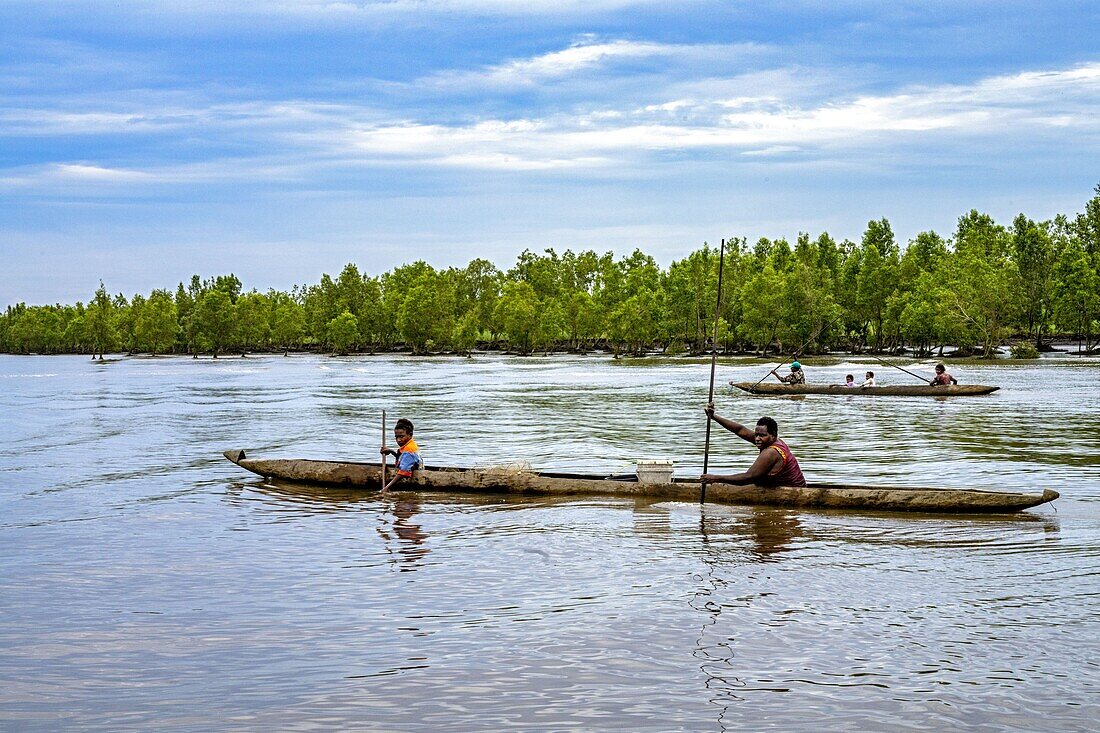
pixel 148 584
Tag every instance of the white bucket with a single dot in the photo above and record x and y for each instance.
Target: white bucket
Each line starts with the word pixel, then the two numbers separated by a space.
pixel 654 472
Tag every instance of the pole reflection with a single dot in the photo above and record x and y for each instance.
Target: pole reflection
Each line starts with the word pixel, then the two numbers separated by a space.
pixel 398 530
pixel 723 536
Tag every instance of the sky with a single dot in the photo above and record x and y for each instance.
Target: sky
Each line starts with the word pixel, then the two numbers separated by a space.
pixel 143 142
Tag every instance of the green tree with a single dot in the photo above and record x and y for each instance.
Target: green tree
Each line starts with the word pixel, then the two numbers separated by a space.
pixel 1077 292
pixel 426 316
pixel 634 323
pixel 74 337
pixel 477 288
pixel 807 306
pixel 158 324
pixel 252 321
pixel 126 318
pixel 214 320
pixel 396 286
pixel 983 293
pixel 691 288
pixel 466 333
pixel 99 322
pixel 875 283
pixel 343 331
pixel 880 235
pixel 372 318
pixel 289 322
pixel 762 307
pixel 582 319
pixel 517 315
pixel 1033 253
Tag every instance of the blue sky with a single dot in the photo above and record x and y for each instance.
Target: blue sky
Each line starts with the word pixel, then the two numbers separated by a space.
pixel 142 142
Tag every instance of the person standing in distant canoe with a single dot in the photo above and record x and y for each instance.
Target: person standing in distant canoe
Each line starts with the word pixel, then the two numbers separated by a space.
pixel 407 453
pixel 776 464
pixel 942 378
pixel 795 377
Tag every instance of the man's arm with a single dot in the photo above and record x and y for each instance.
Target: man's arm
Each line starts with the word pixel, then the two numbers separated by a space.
pixel 760 468
pixel 734 427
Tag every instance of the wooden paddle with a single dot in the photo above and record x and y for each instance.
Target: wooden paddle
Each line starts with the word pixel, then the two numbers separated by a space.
pixel 713 364
pixel 383 445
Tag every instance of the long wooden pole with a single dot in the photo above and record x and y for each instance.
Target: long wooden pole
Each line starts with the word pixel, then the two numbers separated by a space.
pixel 713 365
pixel 383 445
pixel 887 363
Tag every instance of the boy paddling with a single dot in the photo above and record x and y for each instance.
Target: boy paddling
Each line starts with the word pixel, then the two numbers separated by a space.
pixel 407 453
pixel 775 466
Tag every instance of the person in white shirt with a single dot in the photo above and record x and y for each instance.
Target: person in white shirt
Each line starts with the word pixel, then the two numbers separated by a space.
pixel 869 381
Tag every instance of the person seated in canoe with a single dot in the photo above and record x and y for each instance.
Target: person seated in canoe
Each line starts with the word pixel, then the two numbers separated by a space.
pixel 775 466
pixel 795 377
pixel 849 380
pixel 869 381
pixel 407 453
pixel 942 378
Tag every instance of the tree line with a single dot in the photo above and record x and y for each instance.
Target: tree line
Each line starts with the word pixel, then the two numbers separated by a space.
pixel 987 282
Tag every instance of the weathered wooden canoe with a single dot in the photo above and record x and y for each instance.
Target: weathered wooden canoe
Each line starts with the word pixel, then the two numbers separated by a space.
pixel 488 481
pixel 901 390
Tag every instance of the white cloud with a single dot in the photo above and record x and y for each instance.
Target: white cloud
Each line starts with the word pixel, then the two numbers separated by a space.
pixel 72 174
pixel 553 65
pixel 296 140
pixel 1037 100
pixel 586 57
pixel 79 172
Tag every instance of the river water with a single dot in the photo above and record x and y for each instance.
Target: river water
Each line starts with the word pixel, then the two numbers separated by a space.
pixel 148 584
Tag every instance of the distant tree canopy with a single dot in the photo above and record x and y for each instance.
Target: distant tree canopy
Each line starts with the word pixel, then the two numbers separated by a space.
pixel 985 283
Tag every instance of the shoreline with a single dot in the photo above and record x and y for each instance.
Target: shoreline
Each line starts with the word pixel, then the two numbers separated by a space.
pixel 1068 349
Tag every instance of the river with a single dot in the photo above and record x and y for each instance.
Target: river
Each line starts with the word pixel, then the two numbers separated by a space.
pixel 148 584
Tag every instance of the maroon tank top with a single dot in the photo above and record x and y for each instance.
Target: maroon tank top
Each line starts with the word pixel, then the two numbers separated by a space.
pixel 789 474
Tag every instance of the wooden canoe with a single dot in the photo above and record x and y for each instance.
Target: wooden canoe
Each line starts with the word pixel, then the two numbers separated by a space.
pixel 508 481
pixel 901 390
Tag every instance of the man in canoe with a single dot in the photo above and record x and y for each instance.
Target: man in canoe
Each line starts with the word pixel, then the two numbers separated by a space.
pixel 775 466
pixel 942 378
pixel 795 377
pixel 407 453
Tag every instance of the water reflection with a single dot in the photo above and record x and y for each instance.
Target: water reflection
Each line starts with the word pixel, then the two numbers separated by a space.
pixel 773 532
pixel 769 532
pixel 400 533
pixel 533 613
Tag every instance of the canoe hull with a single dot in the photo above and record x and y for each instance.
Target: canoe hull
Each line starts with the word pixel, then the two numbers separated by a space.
pixel 504 481
pixel 901 390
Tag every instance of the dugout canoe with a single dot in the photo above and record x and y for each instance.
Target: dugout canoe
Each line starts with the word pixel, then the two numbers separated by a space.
pixel 509 481
pixel 901 390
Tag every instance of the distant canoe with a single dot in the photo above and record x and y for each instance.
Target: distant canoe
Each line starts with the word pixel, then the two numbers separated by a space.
pixel 901 390
pixel 367 476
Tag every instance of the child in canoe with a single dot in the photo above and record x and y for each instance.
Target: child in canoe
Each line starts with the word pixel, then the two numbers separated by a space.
pixel 407 453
